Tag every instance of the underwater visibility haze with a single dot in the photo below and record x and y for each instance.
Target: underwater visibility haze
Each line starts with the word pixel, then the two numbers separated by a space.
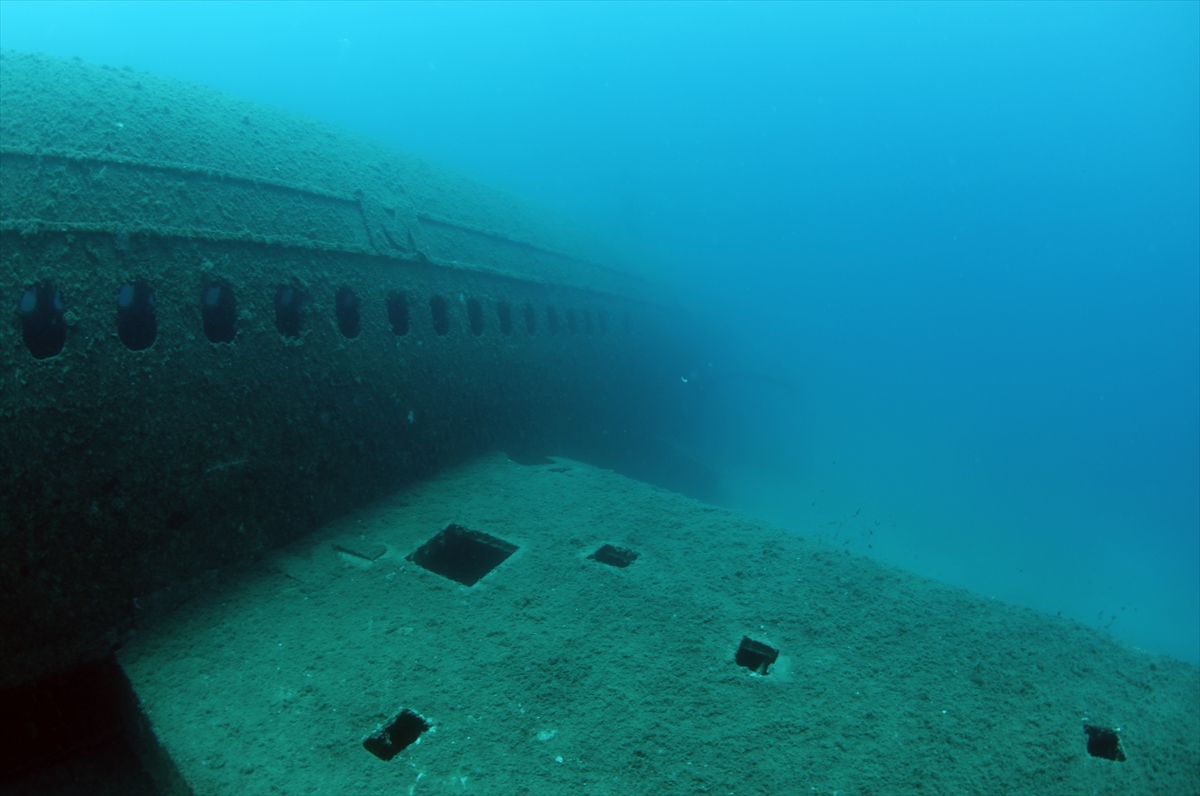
pixel 950 252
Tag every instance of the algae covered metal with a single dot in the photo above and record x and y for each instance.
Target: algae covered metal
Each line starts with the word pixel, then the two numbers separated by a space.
pixel 224 324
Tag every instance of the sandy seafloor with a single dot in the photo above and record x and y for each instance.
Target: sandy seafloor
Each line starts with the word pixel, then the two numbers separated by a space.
pixel 556 674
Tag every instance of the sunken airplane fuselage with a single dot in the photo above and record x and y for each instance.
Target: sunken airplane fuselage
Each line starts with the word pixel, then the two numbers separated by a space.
pixel 226 324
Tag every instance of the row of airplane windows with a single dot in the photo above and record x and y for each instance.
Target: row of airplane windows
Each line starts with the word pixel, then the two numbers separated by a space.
pixel 44 329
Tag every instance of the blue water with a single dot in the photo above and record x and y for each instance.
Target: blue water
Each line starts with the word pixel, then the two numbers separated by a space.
pixel 953 250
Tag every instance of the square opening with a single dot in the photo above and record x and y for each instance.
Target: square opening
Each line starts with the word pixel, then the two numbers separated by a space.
pixel 614 556
pixel 1104 742
pixel 755 656
pixel 461 554
pixel 400 732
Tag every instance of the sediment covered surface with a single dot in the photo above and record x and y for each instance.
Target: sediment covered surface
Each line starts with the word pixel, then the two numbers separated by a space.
pixel 557 673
